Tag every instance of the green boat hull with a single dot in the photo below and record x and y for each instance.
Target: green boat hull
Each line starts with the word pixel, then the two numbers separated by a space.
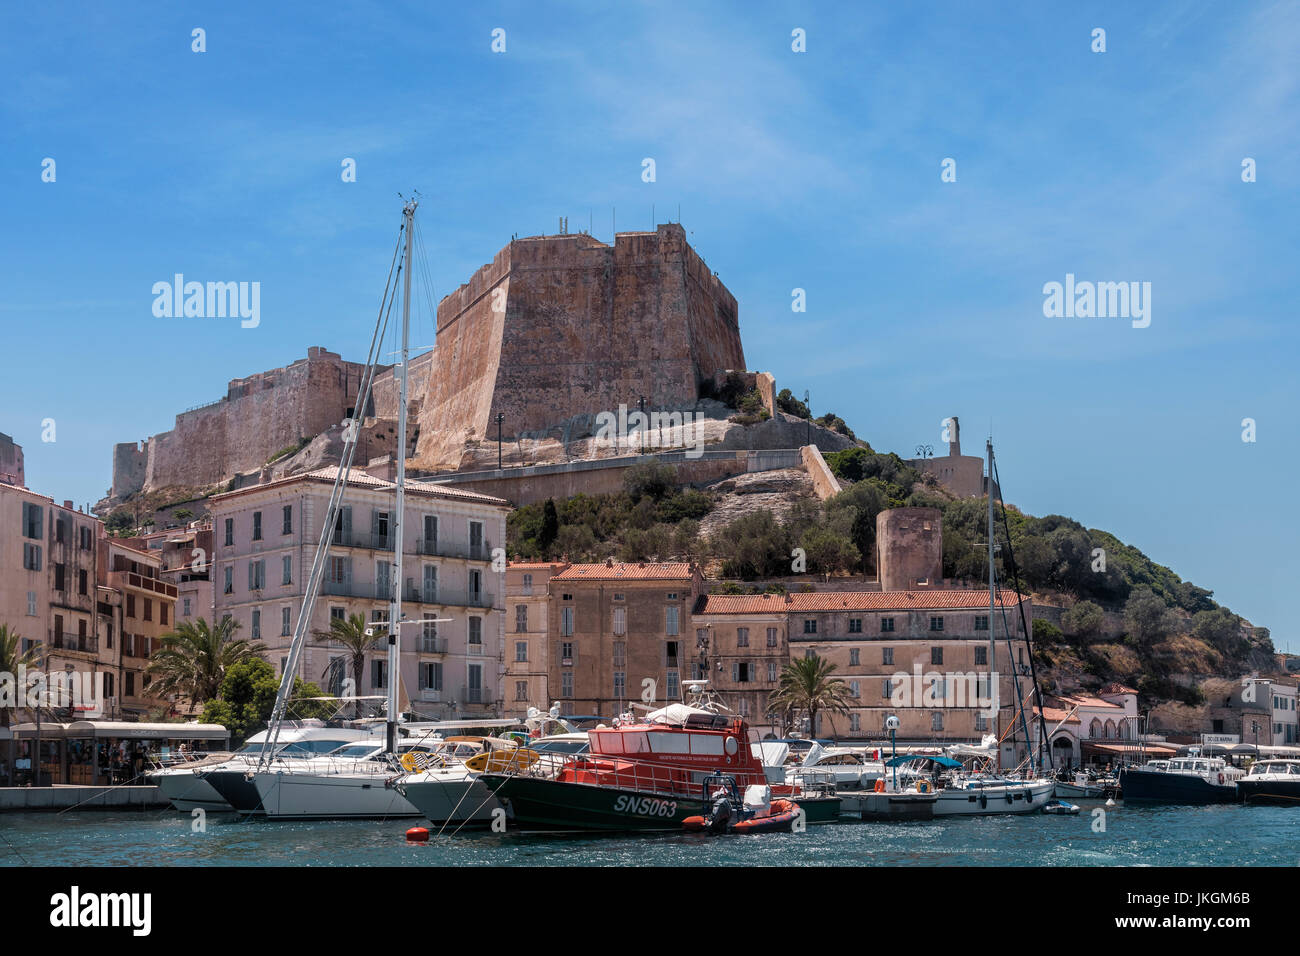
pixel 536 804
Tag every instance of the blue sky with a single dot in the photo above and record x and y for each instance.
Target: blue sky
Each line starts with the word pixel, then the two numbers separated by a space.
pixel 818 170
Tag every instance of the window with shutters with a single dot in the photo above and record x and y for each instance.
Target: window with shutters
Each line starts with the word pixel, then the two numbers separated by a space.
pixel 854 654
pixel 855 689
pixel 286 519
pixel 257 526
pixel 475 635
pixel 230 532
pixel 855 625
pixel 521 690
pixel 886 625
pixel 936 720
pixel 286 627
pixel 742 637
pixel 673 687
pixel 936 655
pixel 521 618
pixel 771 637
pixel 566 621
pixel 620 685
pixel 33 521
pixel 620 620
pixel 981 655
pixel 566 684
pixel 620 653
pixel 527 586
pixel 256 629
pixel 521 652
pixel 670 622
pixel 31 556
pixel 286 569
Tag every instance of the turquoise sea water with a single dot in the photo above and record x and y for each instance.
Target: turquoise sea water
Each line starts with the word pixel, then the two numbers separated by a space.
pixel 1134 836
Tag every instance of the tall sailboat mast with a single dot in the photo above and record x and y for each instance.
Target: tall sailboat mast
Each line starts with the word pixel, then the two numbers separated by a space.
pixel 395 611
pixel 992 592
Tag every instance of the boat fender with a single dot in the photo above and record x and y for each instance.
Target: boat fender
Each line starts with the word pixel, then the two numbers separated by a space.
pixel 880 786
pixel 417 835
pixel 1008 795
pixel 1221 778
pixel 984 801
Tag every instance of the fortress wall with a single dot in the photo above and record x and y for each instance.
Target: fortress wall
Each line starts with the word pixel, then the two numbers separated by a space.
pixel 130 464
pixel 456 401
pixel 713 319
pixel 586 326
pixel 385 388
pixel 261 415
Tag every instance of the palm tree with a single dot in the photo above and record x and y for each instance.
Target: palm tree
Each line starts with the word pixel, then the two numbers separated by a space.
pixel 12 657
pixel 351 633
pixel 193 659
pixel 806 684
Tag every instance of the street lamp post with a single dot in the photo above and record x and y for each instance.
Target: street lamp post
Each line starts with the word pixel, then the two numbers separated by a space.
pixel 808 420
pixel 500 418
pixel 641 406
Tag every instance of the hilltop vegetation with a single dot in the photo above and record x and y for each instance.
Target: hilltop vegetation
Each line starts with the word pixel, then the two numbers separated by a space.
pixel 1126 618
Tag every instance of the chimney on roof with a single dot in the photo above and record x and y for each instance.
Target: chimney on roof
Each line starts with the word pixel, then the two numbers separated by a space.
pixel 68 505
pixel 788 598
pixel 609 562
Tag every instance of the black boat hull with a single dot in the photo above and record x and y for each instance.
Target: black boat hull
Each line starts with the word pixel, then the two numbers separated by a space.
pixel 1160 786
pixel 1280 793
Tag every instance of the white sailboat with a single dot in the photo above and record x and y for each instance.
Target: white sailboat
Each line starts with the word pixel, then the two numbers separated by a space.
pixel 1023 790
pixel 341 788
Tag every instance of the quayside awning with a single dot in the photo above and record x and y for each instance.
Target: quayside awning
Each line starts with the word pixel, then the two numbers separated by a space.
pixel 100 729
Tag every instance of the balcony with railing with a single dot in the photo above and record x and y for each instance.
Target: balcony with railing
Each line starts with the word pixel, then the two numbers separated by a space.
pixel 373 541
pixel 471 695
pixel 434 547
pixel 67 641
pixel 129 579
pixel 432 645
pixel 448 597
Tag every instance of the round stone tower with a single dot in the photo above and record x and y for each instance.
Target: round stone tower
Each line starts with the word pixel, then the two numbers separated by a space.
pixel 909 548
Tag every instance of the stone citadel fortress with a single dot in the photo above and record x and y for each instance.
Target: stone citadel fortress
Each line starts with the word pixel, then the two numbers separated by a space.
pixel 552 332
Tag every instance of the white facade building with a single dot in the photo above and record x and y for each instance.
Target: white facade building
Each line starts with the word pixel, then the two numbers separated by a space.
pixel 451 646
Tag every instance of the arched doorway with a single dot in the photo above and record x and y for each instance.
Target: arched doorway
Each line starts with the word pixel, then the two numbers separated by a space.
pixel 1063 754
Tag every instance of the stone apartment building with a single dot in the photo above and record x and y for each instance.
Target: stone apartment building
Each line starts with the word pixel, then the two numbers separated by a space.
pixel 186 557
pixel 136 606
pixel 88 603
pixel 452 636
pixel 47 577
pixel 920 655
pixel 619 634
pixel 527 681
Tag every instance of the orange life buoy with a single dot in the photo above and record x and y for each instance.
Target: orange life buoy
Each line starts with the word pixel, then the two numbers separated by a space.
pixel 880 785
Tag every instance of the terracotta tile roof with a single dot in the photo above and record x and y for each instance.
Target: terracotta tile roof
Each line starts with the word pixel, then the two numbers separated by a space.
pixel 1055 715
pixel 937 600
pixel 1116 688
pixel 359 479
pixel 510 566
pixel 619 571
pixel 1084 700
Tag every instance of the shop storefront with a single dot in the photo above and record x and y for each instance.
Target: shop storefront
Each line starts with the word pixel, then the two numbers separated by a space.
pixel 120 752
